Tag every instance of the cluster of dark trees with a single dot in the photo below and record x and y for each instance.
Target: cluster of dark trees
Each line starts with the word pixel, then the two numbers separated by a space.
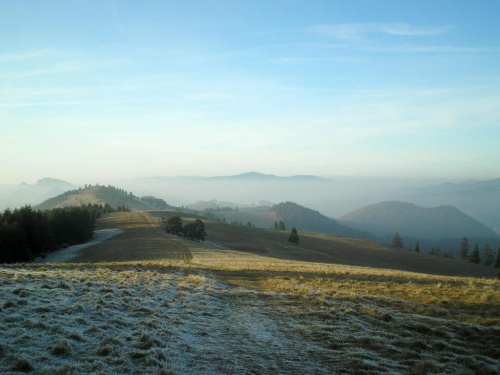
pixel 474 256
pixel 279 225
pixel 26 233
pixel 123 191
pixel 226 208
pixel 155 202
pixel 194 231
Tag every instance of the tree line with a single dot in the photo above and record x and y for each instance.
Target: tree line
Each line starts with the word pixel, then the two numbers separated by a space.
pixel 155 202
pixel 26 233
pixel 473 256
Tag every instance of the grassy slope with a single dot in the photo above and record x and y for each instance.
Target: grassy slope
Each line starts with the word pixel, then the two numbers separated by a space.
pixel 262 258
pixel 318 247
pixel 169 305
pixel 145 239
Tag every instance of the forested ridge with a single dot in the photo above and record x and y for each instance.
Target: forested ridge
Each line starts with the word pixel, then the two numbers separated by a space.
pixel 306 219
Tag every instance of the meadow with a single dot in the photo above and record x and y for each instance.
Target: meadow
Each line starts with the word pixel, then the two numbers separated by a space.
pixel 246 301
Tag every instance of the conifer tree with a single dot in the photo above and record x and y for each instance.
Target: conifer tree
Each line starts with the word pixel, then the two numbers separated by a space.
pixel 417 247
pixel 488 256
pixel 281 225
pixel 474 256
pixel 294 236
pixel 397 241
pixel 497 263
pixel 464 249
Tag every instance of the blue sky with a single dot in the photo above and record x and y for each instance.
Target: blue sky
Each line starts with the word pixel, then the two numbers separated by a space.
pixel 97 90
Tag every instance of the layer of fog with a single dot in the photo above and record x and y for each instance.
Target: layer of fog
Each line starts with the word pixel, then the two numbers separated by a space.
pixel 332 197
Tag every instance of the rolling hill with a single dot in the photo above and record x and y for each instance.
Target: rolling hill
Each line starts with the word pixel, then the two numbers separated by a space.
pixel 306 219
pixel 293 215
pixel 442 222
pixel 102 195
pixel 478 199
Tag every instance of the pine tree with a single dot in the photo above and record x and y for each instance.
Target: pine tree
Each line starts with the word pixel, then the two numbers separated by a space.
pixel 397 241
pixel 417 247
pixel 474 256
pixel 497 263
pixel 276 225
pixel 294 236
pixel 281 225
pixel 464 249
pixel 488 256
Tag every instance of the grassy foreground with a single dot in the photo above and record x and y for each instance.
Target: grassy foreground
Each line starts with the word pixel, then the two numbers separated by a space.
pixel 146 302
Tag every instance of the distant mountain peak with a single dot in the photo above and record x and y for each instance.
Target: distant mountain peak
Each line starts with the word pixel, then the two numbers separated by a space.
pixel 253 175
pixel 262 176
pixel 48 181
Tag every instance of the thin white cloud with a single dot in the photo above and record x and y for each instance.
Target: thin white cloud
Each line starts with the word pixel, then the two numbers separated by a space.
pixel 20 56
pixel 71 66
pixel 289 60
pixel 359 30
pixel 431 49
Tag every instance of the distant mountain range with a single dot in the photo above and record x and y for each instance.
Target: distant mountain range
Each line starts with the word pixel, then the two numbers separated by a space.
pixel 443 222
pixel 247 176
pixel 19 195
pixel 268 177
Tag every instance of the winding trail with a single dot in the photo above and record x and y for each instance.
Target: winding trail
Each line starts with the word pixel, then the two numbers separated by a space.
pixel 65 255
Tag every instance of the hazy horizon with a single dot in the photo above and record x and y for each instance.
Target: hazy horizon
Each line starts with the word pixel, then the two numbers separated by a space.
pixel 99 91
pixel 405 181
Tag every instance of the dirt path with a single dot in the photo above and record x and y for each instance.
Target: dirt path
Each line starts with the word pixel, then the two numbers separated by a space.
pixel 72 252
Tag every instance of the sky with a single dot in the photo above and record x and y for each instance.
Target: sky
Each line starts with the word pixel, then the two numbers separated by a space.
pixel 98 90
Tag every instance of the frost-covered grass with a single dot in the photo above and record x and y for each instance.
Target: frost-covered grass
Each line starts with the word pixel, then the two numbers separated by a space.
pixel 131 319
pixel 138 320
